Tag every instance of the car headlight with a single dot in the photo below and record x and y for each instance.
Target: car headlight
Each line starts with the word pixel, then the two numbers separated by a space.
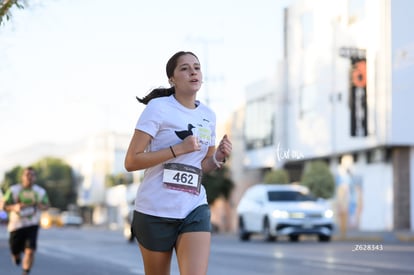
pixel 328 214
pixel 279 214
pixel 45 222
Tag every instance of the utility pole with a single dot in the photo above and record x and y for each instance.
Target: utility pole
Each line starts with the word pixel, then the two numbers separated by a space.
pixel 205 43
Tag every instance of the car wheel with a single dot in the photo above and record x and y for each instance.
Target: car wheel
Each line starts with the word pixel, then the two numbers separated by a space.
pixel 266 231
pixel 294 238
pixel 324 238
pixel 243 234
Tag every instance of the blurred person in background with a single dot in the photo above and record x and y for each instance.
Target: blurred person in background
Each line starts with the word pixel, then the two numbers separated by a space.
pixel 24 203
pixel 174 141
pixel 3 214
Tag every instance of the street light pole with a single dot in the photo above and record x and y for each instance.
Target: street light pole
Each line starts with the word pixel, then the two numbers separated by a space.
pixel 205 43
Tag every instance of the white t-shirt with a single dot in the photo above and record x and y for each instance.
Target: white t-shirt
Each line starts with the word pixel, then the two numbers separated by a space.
pixel 168 122
pixel 31 196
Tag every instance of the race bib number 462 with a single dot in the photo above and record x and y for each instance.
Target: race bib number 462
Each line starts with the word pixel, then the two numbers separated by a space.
pixel 182 177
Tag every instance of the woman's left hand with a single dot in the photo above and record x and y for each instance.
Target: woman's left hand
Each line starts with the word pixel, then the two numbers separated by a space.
pixel 224 148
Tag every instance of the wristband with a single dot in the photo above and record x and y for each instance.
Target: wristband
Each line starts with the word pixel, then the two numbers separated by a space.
pixel 219 164
pixel 172 151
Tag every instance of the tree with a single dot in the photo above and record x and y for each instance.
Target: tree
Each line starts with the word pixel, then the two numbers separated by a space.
pixel 319 179
pixel 217 183
pixel 57 178
pixel 54 175
pixel 276 176
pixel 6 6
pixel 11 177
pixel 118 179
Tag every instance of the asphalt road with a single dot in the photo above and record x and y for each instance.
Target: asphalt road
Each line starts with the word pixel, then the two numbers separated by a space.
pixel 90 251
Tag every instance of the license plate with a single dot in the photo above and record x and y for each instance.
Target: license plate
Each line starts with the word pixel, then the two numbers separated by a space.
pixel 307 225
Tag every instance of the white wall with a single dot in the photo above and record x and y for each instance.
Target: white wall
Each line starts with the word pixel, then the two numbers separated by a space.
pixel 318 78
pixel 402 71
pixel 377 213
pixel 374 200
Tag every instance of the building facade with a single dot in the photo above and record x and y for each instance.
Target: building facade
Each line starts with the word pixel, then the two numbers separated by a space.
pixel 93 159
pixel 342 95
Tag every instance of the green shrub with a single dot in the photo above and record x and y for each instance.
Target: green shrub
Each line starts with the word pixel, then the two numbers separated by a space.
pixel 276 176
pixel 319 179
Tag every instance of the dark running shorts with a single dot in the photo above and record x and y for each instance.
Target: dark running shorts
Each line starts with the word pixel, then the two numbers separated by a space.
pixel 22 238
pixel 160 234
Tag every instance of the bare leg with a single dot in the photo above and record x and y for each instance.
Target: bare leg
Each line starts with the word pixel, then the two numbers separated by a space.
pixel 16 259
pixel 28 259
pixel 155 262
pixel 193 250
pixel 343 224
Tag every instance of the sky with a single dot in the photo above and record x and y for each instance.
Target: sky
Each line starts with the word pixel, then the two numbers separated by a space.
pixel 71 68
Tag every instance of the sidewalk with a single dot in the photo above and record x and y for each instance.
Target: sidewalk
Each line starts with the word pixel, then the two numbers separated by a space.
pixel 376 236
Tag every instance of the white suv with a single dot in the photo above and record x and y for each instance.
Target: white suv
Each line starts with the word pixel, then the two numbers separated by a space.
pixel 283 209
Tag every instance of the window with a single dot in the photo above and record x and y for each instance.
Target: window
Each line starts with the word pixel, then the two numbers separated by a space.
pixel 288 196
pixel 259 122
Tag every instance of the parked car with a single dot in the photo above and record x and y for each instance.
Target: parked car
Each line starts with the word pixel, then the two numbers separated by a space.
pixel 289 210
pixel 50 217
pixel 70 218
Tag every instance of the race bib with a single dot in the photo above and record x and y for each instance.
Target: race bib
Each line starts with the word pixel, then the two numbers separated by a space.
pixel 27 211
pixel 182 177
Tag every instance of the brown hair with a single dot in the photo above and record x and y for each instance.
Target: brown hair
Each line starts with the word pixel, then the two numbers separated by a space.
pixel 170 67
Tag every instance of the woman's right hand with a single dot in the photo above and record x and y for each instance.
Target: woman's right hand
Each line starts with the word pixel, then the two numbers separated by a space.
pixel 190 144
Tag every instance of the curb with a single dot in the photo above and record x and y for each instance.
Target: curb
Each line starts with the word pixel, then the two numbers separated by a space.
pixel 405 237
pixel 376 237
pixel 360 239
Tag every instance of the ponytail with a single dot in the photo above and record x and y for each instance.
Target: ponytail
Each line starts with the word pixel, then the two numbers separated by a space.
pixel 158 92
